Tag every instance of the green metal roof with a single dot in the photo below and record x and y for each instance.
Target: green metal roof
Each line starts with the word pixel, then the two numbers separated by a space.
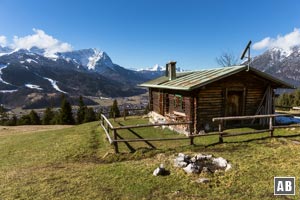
pixel 195 79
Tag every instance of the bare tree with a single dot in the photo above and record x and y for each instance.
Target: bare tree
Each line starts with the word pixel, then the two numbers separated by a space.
pixel 227 59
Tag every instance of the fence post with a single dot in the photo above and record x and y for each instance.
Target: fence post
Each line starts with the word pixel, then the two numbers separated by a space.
pixel 271 126
pixel 115 142
pixel 124 113
pixel 190 134
pixel 220 131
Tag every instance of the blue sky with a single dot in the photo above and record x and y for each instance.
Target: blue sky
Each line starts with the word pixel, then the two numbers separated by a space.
pixel 142 33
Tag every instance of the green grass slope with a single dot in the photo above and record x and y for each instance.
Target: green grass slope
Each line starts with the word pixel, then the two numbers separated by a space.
pixel 78 163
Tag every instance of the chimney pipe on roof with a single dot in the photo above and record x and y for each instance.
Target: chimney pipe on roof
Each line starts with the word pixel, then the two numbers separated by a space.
pixel 167 70
pixel 171 68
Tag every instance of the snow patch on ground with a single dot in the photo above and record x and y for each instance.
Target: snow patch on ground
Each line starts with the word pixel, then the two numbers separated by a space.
pixel 31 86
pixel 30 60
pixel 8 91
pixel 1 80
pixel 54 85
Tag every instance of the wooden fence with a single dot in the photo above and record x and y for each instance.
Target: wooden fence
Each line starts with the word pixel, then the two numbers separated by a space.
pixel 112 134
pixel 108 128
pixel 270 129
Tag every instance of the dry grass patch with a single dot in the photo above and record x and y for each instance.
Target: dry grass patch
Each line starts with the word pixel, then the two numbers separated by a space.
pixel 11 130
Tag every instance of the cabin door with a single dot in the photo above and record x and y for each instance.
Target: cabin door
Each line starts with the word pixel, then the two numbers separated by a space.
pixel 234 103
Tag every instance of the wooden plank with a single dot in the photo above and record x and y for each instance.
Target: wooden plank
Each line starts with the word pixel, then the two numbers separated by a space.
pixel 151 139
pixel 107 121
pixel 107 134
pixel 150 125
pixel 247 117
pixel 287 126
pixel 245 133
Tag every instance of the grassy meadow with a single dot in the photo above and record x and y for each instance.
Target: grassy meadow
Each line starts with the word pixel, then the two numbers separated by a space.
pixel 77 162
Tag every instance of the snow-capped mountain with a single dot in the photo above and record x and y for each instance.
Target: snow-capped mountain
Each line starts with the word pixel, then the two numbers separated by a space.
pixel 281 63
pixel 88 72
pixel 5 50
pixel 92 59
pixel 155 68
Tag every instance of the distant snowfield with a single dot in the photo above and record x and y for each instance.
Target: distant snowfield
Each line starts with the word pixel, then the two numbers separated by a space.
pixel 1 80
pixel 54 85
pixel 93 59
pixel 8 91
pixel 31 86
pixel 30 60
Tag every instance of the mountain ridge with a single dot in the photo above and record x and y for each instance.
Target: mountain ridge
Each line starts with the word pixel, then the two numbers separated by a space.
pixel 281 63
pixel 87 72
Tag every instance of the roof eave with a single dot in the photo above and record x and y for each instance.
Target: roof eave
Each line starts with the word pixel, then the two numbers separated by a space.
pixel 164 87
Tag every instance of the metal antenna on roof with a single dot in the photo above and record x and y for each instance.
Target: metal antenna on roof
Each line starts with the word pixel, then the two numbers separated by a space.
pixel 247 49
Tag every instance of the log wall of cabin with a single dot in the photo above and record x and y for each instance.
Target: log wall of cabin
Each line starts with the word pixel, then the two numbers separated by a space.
pixel 168 96
pixel 211 99
pixel 155 95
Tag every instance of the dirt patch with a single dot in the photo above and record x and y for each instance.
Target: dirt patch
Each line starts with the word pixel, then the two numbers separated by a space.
pixel 17 130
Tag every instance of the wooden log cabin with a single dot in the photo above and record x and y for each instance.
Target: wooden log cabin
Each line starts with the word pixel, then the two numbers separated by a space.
pixel 199 96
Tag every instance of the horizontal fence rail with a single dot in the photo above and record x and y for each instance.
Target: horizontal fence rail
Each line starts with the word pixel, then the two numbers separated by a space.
pixel 247 117
pixel 150 125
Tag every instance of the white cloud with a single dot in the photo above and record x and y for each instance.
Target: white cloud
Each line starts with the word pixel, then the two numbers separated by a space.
pixel 2 40
pixel 41 40
pixel 285 42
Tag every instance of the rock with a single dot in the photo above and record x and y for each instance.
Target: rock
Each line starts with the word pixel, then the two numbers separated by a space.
pixel 192 168
pixel 194 159
pixel 179 159
pixel 159 171
pixel 156 172
pixel 181 155
pixel 206 170
pixel 180 164
pixel 228 167
pixel 219 162
pixel 203 157
pixel 203 180
pixel 295 142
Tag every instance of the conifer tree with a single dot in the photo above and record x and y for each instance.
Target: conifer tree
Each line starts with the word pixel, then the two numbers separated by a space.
pixel 34 118
pixel 24 120
pixel 89 115
pixel 3 115
pixel 48 116
pixel 13 121
pixel 114 110
pixel 66 115
pixel 81 112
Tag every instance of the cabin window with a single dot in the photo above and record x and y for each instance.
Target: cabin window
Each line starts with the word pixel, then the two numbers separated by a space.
pixel 179 103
